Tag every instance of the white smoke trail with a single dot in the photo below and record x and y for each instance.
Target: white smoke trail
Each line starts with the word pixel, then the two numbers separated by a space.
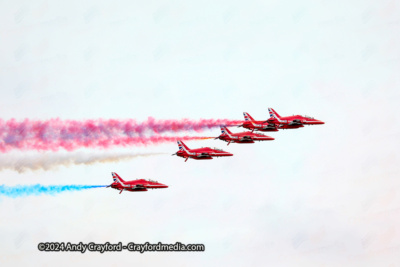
pixel 49 161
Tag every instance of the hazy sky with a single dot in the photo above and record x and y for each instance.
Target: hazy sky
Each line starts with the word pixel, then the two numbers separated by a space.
pixel 322 195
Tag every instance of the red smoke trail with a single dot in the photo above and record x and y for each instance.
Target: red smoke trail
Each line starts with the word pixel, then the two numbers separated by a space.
pixel 71 134
pixel 48 140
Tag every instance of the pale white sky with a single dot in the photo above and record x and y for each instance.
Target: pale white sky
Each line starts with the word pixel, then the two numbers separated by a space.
pixel 324 195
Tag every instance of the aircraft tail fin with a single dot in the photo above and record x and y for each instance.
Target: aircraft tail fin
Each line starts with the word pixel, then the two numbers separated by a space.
pixel 225 130
pixel 272 112
pixel 182 146
pixel 117 178
pixel 247 117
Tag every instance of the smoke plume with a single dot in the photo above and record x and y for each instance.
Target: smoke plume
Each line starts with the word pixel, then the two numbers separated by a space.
pixel 49 161
pixel 38 189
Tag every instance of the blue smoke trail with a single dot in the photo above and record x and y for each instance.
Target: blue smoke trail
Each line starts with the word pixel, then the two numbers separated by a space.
pixel 38 189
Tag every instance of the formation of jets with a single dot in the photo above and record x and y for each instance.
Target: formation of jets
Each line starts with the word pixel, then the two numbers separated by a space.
pixel 272 124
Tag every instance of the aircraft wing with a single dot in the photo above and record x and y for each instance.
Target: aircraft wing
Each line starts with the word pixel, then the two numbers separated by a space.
pixel 204 155
pixel 246 138
pixel 138 186
pixel 269 126
pixel 296 122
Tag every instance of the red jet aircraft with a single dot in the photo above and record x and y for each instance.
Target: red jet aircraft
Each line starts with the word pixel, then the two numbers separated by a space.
pixel 244 137
pixel 200 153
pixel 251 124
pixel 291 122
pixel 135 185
